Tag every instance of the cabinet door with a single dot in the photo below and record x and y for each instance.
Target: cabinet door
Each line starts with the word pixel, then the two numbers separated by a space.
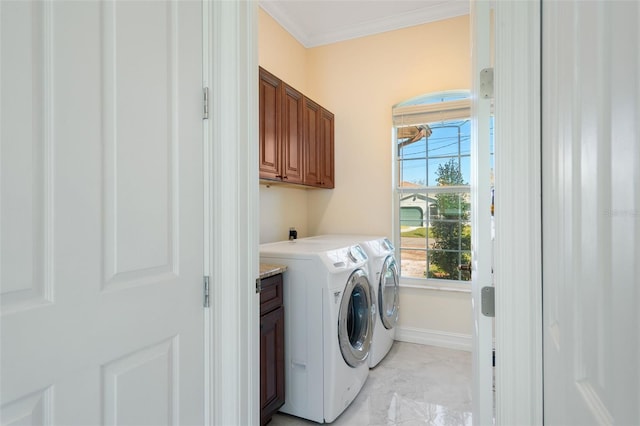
pixel 326 137
pixel 271 363
pixel 312 172
pixel 292 137
pixel 271 293
pixel 270 125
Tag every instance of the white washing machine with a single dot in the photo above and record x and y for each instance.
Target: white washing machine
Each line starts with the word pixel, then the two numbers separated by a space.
pixel 385 279
pixel 328 325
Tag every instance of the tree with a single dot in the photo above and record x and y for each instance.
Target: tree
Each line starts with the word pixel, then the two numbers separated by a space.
pixel 450 233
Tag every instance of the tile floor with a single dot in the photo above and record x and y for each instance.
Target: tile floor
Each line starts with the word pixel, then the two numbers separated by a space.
pixel 413 385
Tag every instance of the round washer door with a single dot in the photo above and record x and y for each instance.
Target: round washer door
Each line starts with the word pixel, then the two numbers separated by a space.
pixel 389 293
pixel 355 325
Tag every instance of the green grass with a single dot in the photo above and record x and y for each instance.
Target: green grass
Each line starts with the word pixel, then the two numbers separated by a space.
pixel 422 232
pixel 417 233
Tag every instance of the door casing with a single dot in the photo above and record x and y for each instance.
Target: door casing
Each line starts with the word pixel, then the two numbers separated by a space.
pixel 232 212
pixel 518 279
pixel 518 307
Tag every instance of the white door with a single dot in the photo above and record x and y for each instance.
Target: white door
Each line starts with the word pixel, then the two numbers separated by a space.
pixel 102 213
pixel 591 212
pixel 481 171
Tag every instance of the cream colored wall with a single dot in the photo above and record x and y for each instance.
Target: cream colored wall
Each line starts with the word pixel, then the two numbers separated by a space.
pixel 435 310
pixel 359 81
pixel 280 53
pixel 282 207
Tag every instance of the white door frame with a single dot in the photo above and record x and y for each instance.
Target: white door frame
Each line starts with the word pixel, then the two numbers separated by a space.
pixel 480 214
pixel 233 212
pixel 518 260
pixel 231 73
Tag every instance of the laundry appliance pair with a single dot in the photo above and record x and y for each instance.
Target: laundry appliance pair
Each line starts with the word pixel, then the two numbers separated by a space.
pixel 331 316
pixel 385 279
pixel 328 325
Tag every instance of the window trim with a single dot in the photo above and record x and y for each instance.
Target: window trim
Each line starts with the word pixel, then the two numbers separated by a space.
pixel 433 189
pixel 406 115
pixel 434 283
pixel 431 113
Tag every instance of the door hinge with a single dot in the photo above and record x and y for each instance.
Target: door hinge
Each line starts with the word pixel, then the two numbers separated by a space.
pixel 205 103
pixel 488 301
pixel 206 291
pixel 486 83
pixel 258 285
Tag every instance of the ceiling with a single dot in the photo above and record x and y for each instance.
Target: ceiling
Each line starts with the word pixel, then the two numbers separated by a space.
pixel 318 22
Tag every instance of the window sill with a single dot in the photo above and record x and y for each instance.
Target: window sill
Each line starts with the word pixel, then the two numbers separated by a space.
pixel 435 285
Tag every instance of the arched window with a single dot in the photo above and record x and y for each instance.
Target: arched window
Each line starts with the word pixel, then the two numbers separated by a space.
pixel 432 155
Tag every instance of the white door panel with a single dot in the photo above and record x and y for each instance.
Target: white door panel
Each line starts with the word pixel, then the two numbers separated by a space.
pixel 591 211
pixel 102 212
pixel 24 193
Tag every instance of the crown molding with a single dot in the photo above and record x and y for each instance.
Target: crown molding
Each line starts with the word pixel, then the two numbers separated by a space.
pixel 430 13
pixel 280 15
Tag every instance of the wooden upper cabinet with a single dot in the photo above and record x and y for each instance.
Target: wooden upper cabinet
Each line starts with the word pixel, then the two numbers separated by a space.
pixel 270 125
pixel 292 137
pixel 312 174
pixel 326 139
pixel 296 136
pixel 319 143
pixel 281 150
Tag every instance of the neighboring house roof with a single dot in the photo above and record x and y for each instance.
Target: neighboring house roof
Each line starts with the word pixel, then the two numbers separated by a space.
pixel 406 184
pixel 420 197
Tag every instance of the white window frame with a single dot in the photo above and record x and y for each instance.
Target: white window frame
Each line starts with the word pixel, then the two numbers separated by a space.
pixel 413 115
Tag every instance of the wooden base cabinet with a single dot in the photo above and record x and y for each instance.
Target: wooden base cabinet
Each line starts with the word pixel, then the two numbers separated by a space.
pixel 271 347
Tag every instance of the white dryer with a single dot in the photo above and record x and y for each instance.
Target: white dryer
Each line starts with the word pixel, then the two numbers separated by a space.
pixel 328 325
pixel 385 279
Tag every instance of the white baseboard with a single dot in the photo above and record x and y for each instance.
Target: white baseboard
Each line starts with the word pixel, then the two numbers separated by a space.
pixel 442 339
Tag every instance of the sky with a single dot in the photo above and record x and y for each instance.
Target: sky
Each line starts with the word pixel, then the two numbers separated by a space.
pixel 448 140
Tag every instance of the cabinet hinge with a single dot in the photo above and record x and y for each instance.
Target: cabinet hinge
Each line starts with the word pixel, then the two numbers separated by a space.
pixel 206 291
pixel 258 285
pixel 205 103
